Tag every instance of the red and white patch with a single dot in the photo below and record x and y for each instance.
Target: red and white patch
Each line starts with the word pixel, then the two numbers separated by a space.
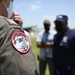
pixel 20 41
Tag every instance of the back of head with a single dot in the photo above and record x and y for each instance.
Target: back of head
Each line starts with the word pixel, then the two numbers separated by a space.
pixel 46 22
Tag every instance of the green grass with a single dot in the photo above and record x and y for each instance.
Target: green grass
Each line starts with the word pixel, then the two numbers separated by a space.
pixel 36 51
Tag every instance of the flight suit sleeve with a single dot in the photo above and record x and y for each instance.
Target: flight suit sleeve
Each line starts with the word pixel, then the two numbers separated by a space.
pixel 16 57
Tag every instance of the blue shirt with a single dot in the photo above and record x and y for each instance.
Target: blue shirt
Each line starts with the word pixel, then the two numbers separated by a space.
pixel 64 48
pixel 46 37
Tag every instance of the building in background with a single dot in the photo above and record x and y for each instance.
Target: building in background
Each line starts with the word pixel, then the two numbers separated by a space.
pixel 33 30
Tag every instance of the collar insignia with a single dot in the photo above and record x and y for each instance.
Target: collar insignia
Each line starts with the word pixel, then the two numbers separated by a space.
pixel 65 39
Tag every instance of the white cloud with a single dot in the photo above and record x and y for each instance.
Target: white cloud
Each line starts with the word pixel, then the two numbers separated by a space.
pixel 35 6
pixel 19 6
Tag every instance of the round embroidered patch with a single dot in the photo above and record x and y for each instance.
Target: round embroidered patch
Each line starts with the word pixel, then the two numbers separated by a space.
pixel 20 41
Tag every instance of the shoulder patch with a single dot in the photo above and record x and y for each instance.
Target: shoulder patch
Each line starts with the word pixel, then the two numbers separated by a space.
pixel 20 41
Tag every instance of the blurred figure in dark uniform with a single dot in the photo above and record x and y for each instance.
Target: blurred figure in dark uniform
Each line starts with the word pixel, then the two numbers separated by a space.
pixel 63 47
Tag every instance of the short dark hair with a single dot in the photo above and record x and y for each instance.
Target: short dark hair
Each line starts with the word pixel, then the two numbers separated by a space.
pixel 46 22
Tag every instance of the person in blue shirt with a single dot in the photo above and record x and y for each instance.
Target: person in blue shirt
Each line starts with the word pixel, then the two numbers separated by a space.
pixel 45 42
pixel 63 47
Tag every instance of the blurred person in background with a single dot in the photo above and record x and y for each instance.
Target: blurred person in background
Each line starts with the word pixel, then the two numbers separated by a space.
pixel 45 42
pixel 63 47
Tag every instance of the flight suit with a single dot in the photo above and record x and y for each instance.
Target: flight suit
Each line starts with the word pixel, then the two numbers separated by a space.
pixel 16 57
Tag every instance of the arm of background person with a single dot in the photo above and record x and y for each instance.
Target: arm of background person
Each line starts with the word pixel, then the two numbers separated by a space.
pixel 42 45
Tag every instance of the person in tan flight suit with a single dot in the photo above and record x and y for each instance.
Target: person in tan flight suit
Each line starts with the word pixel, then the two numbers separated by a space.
pixel 16 57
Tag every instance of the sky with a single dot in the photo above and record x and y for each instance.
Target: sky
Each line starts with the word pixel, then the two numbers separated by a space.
pixel 34 12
